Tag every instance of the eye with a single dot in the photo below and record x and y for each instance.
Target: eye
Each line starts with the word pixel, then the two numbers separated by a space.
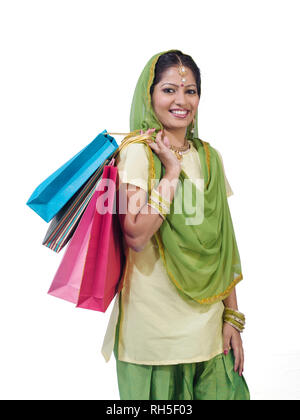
pixel 166 90
pixel 191 91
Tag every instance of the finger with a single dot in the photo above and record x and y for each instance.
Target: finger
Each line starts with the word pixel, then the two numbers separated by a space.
pixel 152 144
pixel 242 362
pixel 149 141
pixel 236 358
pixel 166 141
pixel 160 135
pixel 142 132
pixel 150 130
pixel 226 344
pixel 159 139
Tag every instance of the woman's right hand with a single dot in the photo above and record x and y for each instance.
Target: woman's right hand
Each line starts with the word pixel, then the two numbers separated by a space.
pixel 163 151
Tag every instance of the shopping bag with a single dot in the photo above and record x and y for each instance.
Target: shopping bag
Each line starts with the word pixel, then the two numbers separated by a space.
pixel 64 223
pixel 91 270
pixel 53 193
pixel 105 258
pixel 67 280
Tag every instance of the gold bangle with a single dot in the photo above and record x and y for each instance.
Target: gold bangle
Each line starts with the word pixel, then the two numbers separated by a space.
pixel 235 318
pixel 157 209
pixel 159 201
pixel 156 194
pixel 235 322
pixel 161 206
pixel 230 311
pixel 240 330
pixel 158 205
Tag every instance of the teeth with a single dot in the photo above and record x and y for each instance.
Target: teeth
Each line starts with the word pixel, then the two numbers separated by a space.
pixel 179 112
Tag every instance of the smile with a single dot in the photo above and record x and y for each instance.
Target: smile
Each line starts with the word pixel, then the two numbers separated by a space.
pixel 178 113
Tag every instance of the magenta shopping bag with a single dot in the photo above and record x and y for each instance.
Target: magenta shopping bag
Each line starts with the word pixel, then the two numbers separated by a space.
pixel 67 280
pixel 91 269
pixel 105 259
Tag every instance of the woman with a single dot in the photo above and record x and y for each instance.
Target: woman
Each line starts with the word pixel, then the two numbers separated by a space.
pixel 175 326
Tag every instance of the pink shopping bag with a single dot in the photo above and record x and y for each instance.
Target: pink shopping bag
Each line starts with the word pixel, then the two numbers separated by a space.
pixel 67 280
pixel 92 266
pixel 105 258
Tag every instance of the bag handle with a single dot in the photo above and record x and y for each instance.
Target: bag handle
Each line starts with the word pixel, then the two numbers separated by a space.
pixel 132 137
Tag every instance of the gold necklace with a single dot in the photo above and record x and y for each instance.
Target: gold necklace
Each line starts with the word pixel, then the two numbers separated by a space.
pixel 179 150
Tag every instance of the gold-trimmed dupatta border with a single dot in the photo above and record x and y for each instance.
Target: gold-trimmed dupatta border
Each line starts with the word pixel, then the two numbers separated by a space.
pixel 150 80
pixel 207 157
pixel 209 300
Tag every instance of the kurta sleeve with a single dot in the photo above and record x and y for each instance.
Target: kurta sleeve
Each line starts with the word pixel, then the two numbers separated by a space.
pixel 133 165
pixel 229 191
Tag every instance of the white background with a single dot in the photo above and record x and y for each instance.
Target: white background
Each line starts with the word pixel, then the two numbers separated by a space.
pixel 68 72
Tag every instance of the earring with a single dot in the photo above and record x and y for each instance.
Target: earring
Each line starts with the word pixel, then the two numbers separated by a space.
pixel 193 126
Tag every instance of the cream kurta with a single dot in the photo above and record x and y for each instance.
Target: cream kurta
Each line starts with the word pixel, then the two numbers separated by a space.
pixel 158 326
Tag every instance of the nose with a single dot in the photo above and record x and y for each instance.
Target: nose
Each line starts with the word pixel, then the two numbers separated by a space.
pixel 180 99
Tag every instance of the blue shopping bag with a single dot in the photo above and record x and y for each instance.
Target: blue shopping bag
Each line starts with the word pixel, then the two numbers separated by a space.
pixel 53 193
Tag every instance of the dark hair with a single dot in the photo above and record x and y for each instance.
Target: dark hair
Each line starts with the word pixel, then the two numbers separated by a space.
pixel 170 59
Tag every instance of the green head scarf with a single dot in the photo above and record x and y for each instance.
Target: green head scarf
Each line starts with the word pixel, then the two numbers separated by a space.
pixel 201 259
pixel 142 115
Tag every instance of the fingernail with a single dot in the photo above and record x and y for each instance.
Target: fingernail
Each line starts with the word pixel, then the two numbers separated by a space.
pixel 225 352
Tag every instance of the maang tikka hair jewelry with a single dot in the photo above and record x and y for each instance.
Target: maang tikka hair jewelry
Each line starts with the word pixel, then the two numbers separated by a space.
pixel 182 71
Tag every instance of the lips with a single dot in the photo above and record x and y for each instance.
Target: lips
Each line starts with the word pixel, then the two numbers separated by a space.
pixel 179 113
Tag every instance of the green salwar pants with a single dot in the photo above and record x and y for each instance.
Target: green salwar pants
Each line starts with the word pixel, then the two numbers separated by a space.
pixel 214 379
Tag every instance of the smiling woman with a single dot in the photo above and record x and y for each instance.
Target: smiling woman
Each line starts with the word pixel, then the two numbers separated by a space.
pixel 175 104
pixel 167 329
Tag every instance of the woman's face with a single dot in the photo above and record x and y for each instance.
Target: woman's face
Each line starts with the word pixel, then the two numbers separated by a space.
pixel 169 96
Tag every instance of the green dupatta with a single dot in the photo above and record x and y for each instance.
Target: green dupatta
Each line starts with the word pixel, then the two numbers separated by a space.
pixel 202 260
